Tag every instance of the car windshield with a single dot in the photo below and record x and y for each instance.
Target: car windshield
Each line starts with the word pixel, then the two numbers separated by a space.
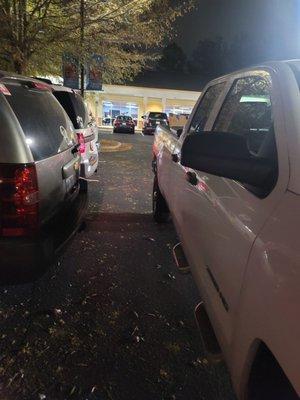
pixel 158 115
pixel 124 118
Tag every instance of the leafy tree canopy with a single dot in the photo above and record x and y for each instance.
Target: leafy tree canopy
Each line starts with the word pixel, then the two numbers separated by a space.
pixel 173 58
pixel 128 33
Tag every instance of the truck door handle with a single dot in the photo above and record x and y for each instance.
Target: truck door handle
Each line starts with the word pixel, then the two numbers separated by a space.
pixel 175 158
pixel 191 177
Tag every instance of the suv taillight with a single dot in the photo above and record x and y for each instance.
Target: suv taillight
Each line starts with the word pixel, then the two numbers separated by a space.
pixel 81 142
pixel 19 200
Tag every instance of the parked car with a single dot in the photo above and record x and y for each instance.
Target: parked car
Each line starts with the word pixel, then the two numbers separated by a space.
pixel 231 182
pixel 85 128
pixel 124 123
pixel 95 129
pixel 107 121
pixel 152 120
pixel 39 178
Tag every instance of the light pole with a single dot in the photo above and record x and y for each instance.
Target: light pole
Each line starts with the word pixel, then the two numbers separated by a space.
pixel 82 25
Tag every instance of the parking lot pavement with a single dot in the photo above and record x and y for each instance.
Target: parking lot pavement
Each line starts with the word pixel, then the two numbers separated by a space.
pixel 113 319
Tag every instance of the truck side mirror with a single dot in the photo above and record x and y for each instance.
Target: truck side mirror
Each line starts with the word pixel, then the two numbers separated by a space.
pixel 226 155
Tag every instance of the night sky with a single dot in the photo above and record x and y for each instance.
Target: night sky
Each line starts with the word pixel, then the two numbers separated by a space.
pixel 278 20
pixel 256 30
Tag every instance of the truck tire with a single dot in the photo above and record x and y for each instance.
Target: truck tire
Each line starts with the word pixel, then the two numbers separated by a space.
pixel 83 186
pixel 160 208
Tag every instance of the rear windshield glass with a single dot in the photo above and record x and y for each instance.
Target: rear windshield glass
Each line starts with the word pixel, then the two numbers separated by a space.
pixel 47 128
pixel 74 106
pixel 124 118
pixel 155 115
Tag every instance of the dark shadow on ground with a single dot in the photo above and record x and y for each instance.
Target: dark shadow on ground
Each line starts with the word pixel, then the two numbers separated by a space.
pixel 113 321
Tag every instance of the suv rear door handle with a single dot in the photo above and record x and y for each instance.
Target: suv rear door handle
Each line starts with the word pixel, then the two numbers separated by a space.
pixel 191 177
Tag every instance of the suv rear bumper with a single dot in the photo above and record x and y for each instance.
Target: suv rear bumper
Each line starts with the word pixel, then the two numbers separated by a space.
pixel 149 130
pixel 89 164
pixel 126 129
pixel 25 259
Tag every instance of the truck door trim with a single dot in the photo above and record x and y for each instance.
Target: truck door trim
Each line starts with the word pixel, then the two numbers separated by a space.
pixel 215 283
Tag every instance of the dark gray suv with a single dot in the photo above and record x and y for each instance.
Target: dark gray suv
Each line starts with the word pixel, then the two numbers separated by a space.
pixel 40 202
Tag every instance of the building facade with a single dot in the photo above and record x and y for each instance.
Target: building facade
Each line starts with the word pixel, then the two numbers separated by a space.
pixel 136 101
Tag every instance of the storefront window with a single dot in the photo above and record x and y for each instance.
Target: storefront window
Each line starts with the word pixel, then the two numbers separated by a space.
pixel 112 109
pixel 179 110
pixel 178 115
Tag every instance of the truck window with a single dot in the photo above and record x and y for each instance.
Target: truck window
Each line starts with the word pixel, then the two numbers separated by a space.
pixel 247 111
pixel 158 115
pixel 205 107
pixel 295 67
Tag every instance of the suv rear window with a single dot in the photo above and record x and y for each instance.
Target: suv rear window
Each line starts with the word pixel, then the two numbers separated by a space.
pixel 47 128
pixel 154 115
pixel 124 118
pixel 74 106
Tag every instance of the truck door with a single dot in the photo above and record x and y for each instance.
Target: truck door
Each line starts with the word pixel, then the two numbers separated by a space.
pixel 222 218
pixel 199 118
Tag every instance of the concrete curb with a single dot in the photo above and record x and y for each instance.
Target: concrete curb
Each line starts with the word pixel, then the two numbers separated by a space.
pixel 109 130
pixel 109 144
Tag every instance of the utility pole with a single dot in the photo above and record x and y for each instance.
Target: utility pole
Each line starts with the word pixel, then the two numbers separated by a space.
pixel 82 25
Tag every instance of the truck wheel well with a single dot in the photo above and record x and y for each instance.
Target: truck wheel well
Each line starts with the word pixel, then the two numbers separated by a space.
pixel 267 379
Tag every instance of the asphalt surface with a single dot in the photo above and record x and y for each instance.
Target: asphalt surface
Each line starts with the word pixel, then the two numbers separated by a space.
pixel 112 320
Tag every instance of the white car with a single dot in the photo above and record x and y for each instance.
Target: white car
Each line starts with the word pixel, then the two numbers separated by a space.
pixel 95 129
pixel 85 128
pixel 231 182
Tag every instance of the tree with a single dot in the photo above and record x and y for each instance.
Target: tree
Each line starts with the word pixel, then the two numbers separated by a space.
pixel 210 57
pixel 128 33
pixel 173 58
pixel 27 29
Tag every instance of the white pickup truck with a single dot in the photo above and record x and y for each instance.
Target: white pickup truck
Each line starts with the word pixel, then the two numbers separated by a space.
pixel 231 182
